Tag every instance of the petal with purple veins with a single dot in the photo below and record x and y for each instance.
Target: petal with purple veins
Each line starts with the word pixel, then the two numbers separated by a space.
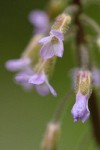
pixel 47 51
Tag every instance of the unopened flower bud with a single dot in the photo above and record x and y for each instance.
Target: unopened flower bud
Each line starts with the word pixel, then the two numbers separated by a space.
pixel 61 23
pixel 83 90
pixel 51 136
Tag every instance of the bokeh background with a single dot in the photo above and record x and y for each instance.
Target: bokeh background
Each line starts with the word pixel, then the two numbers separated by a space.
pixel 24 115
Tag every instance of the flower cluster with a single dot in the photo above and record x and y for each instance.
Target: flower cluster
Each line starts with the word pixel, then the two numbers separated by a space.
pixel 38 61
pixel 33 68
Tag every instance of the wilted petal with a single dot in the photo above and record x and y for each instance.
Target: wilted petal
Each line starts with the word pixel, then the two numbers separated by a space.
pixel 37 78
pixel 42 89
pixel 17 64
pixel 80 108
pixel 57 34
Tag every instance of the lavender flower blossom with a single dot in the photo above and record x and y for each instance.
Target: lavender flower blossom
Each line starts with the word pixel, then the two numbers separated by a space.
pixel 23 77
pixel 40 20
pixel 52 45
pixel 80 109
pixel 17 64
pixel 42 85
pixel 83 89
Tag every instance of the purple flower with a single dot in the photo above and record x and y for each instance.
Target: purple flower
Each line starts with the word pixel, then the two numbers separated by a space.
pixel 40 20
pixel 52 45
pixel 42 85
pixel 23 77
pixel 80 109
pixel 17 64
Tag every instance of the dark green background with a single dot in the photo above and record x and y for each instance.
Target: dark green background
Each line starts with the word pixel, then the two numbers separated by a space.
pixel 24 115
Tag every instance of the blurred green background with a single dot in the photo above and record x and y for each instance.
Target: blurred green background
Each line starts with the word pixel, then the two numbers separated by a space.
pixel 24 115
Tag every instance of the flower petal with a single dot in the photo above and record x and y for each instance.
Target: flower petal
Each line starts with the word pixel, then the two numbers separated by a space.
pixel 37 78
pixel 47 51
pixel 17 64
pixel 57 34
pixel 22 78
pixel 85 117
pixel 80 108
pixel 45 39
pixel 39 18
pixel 27 86
pixel 51 88
pixel 42 89
pixel 59 49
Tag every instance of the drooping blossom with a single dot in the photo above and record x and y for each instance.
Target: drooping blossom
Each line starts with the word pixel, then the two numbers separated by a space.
pixel 40 80
pixel 52 45
pixel 40 20
pixel 83 91
pixel 17 64
pixel 80 109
